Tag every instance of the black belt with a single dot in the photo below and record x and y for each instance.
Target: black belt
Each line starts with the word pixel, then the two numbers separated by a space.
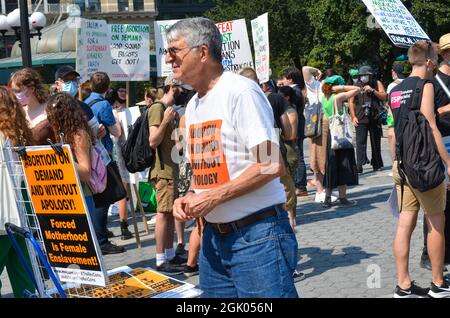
pixel 226 228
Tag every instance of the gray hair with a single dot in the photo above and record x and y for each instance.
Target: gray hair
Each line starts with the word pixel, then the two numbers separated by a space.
pixel 197 32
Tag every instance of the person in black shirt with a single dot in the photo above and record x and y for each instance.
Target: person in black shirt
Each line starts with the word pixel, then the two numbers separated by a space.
pixel 423 58
pixel 442 106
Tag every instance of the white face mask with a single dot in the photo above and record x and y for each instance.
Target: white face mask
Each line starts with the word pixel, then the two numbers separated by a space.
pixel 365 79
pixel 394 77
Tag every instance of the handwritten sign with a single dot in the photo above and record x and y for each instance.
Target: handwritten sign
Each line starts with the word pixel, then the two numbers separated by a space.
pixel 58 201
pixel 161 27
pixel 260 31
pixel 397 22
pixel 120 50
pixel 236 52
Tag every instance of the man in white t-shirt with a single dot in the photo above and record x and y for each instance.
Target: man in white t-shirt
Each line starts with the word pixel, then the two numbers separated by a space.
pixel 248 246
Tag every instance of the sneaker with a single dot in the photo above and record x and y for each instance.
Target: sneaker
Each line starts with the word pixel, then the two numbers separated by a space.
pixel 440 292
pixel 298 276
pixel 327 203
pixel 345 203
pixel 190 271
pixel 109 248
pixel 126 234
pixel 109 234
pixel 320 197
pixel 152 221
pixel 178 260
pixel 412 292
pixel 180 251
pixel 170 269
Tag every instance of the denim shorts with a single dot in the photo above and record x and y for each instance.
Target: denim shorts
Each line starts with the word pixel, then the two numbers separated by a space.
pixel 256 261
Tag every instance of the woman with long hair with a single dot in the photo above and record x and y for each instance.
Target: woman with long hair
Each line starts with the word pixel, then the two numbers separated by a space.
pixel 14 130
pixel 27 85
pixel 65 116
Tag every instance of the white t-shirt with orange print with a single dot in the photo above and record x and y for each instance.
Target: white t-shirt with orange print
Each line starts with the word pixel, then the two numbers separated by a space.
pixel 234 117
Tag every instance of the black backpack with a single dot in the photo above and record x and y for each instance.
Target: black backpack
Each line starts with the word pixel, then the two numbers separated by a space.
pixel 136 152
pixel 416 151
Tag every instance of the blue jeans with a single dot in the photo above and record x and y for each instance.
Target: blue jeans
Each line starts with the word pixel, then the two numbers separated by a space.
pixel 300 173
pixel 256 261
pixel 99 218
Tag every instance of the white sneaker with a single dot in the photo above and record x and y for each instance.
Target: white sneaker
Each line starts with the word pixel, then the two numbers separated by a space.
pixel 152 221
pixel 320 197
pixel 113 210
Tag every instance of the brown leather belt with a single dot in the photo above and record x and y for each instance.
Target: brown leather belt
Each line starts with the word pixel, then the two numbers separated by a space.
pixel 226 228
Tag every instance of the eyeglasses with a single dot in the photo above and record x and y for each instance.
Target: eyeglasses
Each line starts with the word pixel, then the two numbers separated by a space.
pixel 174 50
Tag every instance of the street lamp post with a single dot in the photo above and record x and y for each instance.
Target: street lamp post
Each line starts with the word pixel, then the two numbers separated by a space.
pixel 19 22
pixel 25 34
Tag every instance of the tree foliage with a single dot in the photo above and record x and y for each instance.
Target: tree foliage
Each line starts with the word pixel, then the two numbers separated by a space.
pixel 339 34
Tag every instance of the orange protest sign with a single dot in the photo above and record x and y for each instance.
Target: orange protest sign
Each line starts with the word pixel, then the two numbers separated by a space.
pixel 52 182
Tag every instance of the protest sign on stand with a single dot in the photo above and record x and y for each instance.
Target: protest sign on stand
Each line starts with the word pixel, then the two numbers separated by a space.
pixel 260 32
pixel 398 23
pixel 58 201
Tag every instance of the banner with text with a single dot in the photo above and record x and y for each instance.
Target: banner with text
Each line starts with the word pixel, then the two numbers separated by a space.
pixel 260 32
pixel 161 44
pixel 236 52
pixel 58 201
pixel 120 50
pixel 397 22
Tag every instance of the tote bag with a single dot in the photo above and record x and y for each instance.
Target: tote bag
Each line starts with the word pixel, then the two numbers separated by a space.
pixel 341 129
pixel 115 191
pixel 313 119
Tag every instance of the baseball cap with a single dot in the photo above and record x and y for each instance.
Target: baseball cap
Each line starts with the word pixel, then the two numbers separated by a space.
pixel 444 42
pixel 398 68
pixel 366 69
pixel 65 70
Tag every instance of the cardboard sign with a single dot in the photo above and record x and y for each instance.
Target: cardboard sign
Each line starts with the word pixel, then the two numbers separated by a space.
pixel 58 201
pixel 397 22
pixel 161 27
pixel 236 52
pixel 260 31
pixel 120 50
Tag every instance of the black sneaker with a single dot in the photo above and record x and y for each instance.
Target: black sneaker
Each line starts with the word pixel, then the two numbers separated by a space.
pixel 298 276
pixel 178 260
pixel 327 203
pixel 109 248
pixel 412 292
pixel 109 234
pixel 440 292
pixel 190 271
pixel 180 251
pixel 170 269
pixel 345 203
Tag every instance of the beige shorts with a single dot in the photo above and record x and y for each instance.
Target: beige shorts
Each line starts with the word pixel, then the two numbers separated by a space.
pixel 432 201
pixel 165 193
pixel 289 189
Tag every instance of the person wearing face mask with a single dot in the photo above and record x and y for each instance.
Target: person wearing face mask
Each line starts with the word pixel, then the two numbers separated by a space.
pixel 27 85
pixel 442 105
pixel 364 109
pixel 354 74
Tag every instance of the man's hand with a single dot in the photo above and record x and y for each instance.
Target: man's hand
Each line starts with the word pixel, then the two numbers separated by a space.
pixel 355 121
pixel 199 205
pixel 179 209
pixel 368 89
pixel 169 115
pixel 101 131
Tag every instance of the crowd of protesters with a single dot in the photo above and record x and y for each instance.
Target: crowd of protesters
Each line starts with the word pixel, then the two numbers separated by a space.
pixel 242 189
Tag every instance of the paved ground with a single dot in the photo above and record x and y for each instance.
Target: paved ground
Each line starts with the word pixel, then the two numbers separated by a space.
pixel 346 253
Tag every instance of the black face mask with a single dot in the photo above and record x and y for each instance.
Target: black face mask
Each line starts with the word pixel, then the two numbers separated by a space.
pixel 181 98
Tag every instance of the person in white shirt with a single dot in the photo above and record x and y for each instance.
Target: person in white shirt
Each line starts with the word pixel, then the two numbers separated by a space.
pixel 248 246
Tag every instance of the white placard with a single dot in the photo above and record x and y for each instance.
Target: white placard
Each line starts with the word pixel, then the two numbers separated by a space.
pixel 397 22
pixel 236 52
pixel 161 27
pixel 120 50
pixel 260 31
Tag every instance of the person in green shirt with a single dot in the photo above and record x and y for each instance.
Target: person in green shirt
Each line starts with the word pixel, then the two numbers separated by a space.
pixel 340 168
